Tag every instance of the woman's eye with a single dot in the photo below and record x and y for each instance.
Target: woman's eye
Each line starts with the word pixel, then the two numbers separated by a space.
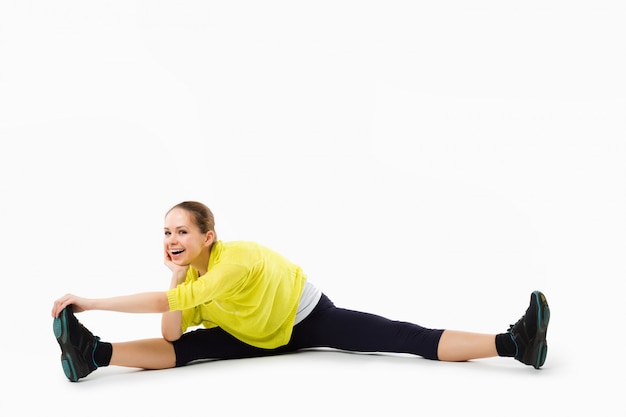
pixel 167 233
pixel 183 232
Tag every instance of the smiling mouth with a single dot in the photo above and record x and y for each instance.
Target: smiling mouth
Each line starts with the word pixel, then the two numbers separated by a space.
pixel 177 251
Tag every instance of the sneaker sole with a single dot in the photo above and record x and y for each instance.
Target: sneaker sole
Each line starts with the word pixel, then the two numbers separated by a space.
pixel 68 352
pixel 540 347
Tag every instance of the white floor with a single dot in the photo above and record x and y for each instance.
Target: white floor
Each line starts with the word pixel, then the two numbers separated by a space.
pixel 578 377
pixel 330 382
pixel 430 162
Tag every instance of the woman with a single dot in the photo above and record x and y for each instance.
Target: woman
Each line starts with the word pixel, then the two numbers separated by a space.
pixel 253 302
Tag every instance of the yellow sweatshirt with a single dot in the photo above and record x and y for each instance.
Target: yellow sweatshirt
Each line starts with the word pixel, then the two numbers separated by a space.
pixel 249 291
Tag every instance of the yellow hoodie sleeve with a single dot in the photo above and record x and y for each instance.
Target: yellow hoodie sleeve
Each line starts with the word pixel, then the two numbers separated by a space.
pixel 220 282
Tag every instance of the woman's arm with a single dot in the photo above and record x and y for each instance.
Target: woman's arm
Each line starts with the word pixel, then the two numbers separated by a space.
pixel 171 321
pixel 146 302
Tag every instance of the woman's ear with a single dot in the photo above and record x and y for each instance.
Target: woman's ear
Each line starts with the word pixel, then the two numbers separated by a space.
pixel 209 238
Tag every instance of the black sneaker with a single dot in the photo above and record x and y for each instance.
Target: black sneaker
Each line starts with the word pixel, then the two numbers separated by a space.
pixel 529 333
pixel 77 345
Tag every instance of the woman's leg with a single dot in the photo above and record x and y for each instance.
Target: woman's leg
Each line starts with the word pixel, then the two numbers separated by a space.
pixel 457 346
pixel 146 354
pixel 82 352
pixel 215 343
pixel 329 326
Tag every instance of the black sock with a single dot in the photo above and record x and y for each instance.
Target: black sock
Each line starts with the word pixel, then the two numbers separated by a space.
pixel 505 345
pixel 102 354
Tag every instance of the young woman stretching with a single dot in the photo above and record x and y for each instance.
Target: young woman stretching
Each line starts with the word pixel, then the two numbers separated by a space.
pixel 253 302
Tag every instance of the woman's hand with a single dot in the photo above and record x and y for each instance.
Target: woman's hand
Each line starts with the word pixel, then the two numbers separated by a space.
pixel 179 272
pixel 79 304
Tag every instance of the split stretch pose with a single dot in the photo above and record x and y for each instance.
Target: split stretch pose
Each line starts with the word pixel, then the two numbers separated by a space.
pixel 252 302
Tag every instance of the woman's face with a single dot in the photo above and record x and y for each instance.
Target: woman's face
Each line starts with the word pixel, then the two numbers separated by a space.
pixel 183 240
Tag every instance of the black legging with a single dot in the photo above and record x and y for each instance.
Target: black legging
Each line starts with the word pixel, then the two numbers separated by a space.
pixel 326 326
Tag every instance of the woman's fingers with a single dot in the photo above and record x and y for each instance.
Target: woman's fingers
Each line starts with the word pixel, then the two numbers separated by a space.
pixel 61 303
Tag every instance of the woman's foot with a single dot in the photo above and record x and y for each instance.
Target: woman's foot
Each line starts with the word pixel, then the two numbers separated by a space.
pixel 77 345
pixel 529 333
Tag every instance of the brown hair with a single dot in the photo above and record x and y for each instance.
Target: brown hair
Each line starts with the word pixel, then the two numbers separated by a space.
pixel 200 214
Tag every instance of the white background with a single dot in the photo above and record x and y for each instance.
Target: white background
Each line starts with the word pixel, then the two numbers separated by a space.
pixel 428 161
